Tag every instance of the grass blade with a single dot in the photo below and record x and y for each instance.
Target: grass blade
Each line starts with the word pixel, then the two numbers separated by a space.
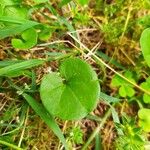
pixel 21 26
pixel 109 99
pixel 109 59
pixel 46 117
pixel 10 145
pixel 6 71
pixel 98 144
pixel 9 62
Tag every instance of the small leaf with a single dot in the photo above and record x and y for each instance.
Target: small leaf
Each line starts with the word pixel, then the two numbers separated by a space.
pixel 29 39
pixel 72 94
pixel 125 89
pixel 146 98
pixel 129 91
pixel 83 2
pixel 116 81
pixel 145 45
pixel 122 91
pixel 144 122
pixel 16 12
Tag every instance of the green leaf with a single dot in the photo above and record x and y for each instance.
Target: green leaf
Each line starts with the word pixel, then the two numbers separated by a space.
pixel 21 25
pixel 145 45
pixel 146 86
pixel 122 91
pixel 16 12
pixel 144 21
pixel 83 2
pixel 13 9
pixel 144 122
pixel 29 39
pixel 129 91
pixel 125 89
pixel 46 117
pixel 72 94
pixel 117 81
pixel 146 98
pixel 15 68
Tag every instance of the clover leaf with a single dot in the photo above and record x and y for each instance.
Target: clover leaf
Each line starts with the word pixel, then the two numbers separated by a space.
pixel 72 93
pixel 125 89
pixel 144 116
pixel 29 39
pixel 146 86
pixel 145 45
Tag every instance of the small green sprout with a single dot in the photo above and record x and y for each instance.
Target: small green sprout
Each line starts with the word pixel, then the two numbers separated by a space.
pixel 76 135
pixel 125 89
pixel 144 119
pixel 29 39
pixel 132 138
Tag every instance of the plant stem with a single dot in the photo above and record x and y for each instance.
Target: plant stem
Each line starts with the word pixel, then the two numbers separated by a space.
pixel 10 145
pixel 95 132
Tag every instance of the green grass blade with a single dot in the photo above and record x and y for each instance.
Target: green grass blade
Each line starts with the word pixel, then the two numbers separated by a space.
pixel 10 145
pixel 12 20
pixel 21 26
pixel 46 117
pixel 109 59
pixel 109 99
pixel 116 119
pixel 20 66
pixel 9 62
pixel 98 144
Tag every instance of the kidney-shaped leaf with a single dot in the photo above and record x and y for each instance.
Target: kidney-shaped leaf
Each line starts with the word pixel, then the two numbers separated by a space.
pixel 145 45
pixel 29 39
pixel 73 93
